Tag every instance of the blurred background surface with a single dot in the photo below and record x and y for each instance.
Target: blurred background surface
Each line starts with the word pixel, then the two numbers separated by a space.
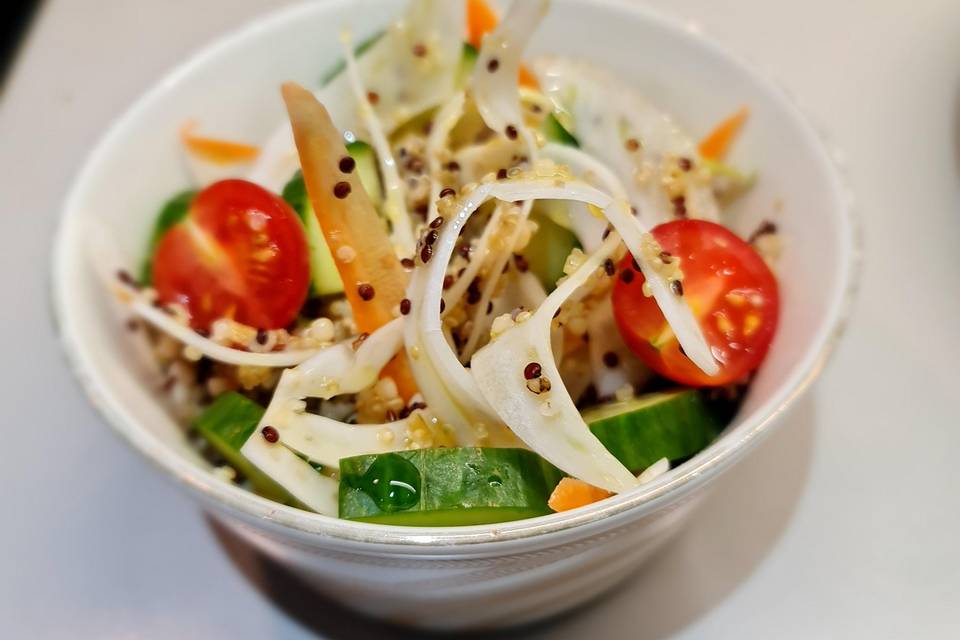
pixel 844 523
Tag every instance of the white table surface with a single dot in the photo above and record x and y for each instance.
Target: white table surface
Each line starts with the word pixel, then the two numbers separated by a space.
pixel 844 523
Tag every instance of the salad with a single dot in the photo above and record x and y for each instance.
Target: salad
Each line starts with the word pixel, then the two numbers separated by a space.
pixel 458 286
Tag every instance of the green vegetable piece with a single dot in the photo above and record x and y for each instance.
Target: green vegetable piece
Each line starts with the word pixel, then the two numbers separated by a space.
pixel 468 60
pixel 358 51
pixel 670 424
pixel 549 247
pixel 226 425
pixel 554 131
pixel 368 170
pixel 446 486
pixel 172 212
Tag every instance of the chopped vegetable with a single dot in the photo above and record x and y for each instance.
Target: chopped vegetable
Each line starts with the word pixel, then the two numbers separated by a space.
pixel 732 289
pixel 444 487
pixel 174 211
pixel 572 493
pixel 239 252
pixel 351 226
pixel 226 425
pixel 216 150
pixel 718 142
pixel 671 424
pixel 481 20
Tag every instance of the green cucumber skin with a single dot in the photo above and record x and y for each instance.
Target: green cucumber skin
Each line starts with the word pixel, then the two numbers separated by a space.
pixel 367 170
pixel 173 211
pixel 547 251
pixel 459 486
pixel 556 132
pixel 226 425
pixel 468 60
pixel 674 425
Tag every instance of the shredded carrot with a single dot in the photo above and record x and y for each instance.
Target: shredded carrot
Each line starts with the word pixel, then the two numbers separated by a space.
pixel 527 79
pixel 571 493
pixel 718 142
pixel 215 150
pixel 481 20
pixel 374 280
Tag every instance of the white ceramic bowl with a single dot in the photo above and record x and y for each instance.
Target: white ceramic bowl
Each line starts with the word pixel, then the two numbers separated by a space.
pixel 481 576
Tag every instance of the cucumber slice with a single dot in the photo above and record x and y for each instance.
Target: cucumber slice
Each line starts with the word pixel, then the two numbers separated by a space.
pixel 468 60
pixel 554 131
pixel 367 170
pixel 173 211
pixel 446 487
pixel 549 247
pixel 324 277
pixel 669 424
pixel 226 425
pixel 358 51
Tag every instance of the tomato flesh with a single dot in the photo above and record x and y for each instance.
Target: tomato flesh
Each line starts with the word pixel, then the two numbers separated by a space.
pixel 731 291
pixel 239 253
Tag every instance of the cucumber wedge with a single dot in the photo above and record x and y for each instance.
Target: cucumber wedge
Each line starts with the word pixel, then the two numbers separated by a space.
pixel 549 247
pixel 226 425
pixel 173 211
pixel 446 487
pixel 554 131
pixel 670 424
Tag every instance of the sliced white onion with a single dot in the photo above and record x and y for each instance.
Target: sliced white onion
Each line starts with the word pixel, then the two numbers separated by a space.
pixel 405 84
pixel 654 471
pixel 605 338
pixel 610 113
pixel 333 371
pixel 444 122
pixel 549 422
pixel 675 308
pixel 394 203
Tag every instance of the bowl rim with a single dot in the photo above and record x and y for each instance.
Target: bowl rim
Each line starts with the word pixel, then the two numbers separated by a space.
pixel 643 499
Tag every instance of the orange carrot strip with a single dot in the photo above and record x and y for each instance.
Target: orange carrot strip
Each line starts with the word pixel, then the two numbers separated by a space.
pixel 215 150
pixel 374 281
pixel 718 142
pixel 527 79
pixel 571 493
pixel 481 20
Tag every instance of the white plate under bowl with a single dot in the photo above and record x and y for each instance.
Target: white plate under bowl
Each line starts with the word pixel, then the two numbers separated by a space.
pixel 478 576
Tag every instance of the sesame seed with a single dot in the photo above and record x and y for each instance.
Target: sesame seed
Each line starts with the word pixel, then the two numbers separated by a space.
pixel 626 276
pixel 341 190
pixel 511 132
pixel 532 370
pixel 436 223
pixel 270 434
pixel 611 359
pixel 405 305
pixel 493 65
pixel 365 291
pixel 347 164
pixel 677 287
pixel 447 191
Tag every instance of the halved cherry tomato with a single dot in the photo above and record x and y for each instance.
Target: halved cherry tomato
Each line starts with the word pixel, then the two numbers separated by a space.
pixel 239 253
pixel 730 289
